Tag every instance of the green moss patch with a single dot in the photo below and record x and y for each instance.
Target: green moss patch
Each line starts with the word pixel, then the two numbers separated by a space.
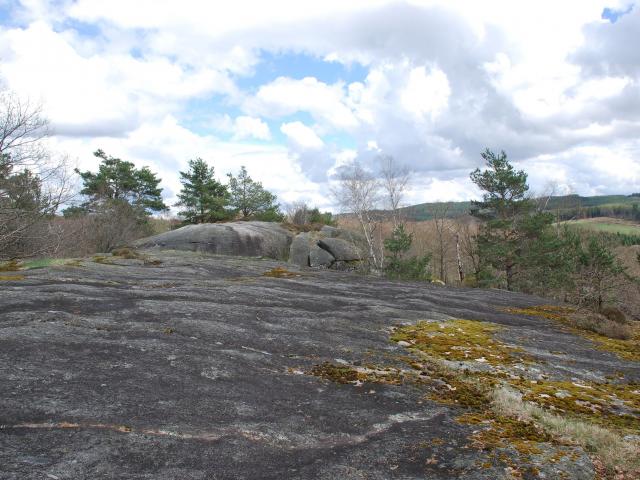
pixel 345 374
pixel 458 340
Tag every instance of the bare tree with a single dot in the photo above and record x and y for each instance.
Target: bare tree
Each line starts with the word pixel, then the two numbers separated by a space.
pixel 33 183
pixel 297 213
pixel 395 179
pixel 358 193
pixel 440 212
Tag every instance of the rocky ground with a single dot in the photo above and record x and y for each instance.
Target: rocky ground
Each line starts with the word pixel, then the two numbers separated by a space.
pixel 185 366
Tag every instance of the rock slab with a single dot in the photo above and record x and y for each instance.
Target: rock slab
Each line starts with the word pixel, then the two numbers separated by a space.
pixel 247 239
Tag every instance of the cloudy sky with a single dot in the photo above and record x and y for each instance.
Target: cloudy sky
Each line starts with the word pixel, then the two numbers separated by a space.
pixel 294 89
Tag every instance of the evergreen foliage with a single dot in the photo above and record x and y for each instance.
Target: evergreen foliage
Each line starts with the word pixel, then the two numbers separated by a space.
pixel 249 199
pixel 510 223
pixel 203 199
pixel 119 181
pixel 399 266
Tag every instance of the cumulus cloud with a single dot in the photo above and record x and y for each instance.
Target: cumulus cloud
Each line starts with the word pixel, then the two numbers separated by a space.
pixel 301 135
pixel 552 83
pixel 250 127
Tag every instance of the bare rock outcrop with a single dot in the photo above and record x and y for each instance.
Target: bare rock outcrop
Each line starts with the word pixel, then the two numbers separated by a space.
pixel 247 239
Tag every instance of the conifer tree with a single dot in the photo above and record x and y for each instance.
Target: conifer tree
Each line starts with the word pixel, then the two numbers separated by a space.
pixel 250 199
pixel 203 199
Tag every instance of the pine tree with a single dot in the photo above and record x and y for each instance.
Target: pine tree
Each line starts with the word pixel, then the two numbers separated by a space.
pixel 508 218
pixel 118 181
pixel 202 197
pixel 251 200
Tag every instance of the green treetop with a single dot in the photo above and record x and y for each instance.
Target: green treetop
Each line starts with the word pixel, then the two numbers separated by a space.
pixel 250 199
pixel 119 181
pixel 202 198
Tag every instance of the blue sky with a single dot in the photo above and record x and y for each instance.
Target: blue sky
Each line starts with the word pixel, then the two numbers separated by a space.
pixel 295 90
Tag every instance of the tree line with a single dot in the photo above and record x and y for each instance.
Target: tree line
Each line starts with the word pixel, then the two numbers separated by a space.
pixel 515 244
pixel 511 242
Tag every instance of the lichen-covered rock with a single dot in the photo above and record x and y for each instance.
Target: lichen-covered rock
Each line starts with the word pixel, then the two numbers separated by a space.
pixel 340 249
pixel 248 239
pixel 319 257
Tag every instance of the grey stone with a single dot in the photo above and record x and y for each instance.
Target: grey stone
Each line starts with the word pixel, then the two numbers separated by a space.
pixel 340 249
pixel 331 232
pixel 197 368
pixel 247 239
pixel 299 250
pixel 319 257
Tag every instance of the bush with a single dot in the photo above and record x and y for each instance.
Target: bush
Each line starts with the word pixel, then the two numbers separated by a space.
pixel 399 267
pixel 413 268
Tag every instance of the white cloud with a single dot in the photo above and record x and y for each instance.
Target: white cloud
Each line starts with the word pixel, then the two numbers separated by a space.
pixel 250 127
pixel 301 135
pixel 286 96
pixel 426 93
pixel 550 82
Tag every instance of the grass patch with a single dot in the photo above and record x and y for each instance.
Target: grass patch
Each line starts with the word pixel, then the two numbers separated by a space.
pixel 612 450
pixel 626 345
pixel 606 225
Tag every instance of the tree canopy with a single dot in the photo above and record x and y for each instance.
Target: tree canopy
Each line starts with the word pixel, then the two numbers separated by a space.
pixel 249 198
pixel 120 181
pixel 202 198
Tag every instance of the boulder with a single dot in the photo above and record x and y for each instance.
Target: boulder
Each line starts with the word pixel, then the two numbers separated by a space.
pixel 249 239
pixel 340 249
pixel 300 249
pixel 320 258
pixel 329 231
pixel 348 235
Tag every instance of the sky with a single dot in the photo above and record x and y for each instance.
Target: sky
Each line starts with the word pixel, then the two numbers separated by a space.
pixel 296 89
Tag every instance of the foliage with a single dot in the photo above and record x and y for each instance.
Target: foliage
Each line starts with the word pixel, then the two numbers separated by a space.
pixel 249 198
pixel 397 265
pixel 119 181
pixel 513 237
pixel 202 198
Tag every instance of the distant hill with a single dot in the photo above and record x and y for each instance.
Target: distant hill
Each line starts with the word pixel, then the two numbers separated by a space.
pixel 566 206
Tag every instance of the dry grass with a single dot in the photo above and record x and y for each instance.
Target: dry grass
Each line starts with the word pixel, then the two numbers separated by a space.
pixel 610 447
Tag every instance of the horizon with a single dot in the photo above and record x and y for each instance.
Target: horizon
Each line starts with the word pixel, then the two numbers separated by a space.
pixel 296 90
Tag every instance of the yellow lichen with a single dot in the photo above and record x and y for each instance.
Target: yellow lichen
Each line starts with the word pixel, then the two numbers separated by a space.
pixel 280 272
pixel 10 266
pixel 9 278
